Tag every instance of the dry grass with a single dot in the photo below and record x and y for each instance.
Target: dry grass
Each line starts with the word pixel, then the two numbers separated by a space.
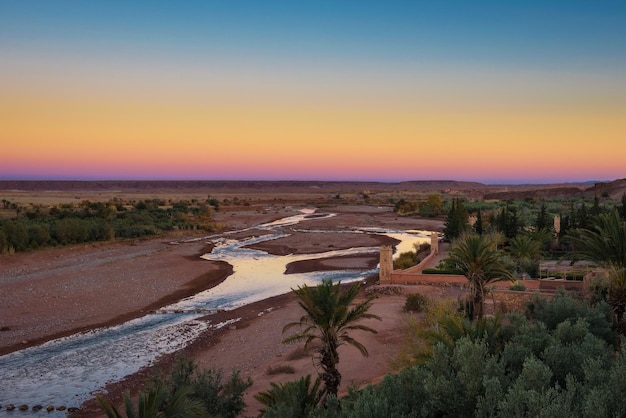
pixel 298 353
pixel 280 369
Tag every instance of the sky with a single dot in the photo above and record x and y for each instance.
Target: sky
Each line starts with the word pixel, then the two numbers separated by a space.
pixel 491 91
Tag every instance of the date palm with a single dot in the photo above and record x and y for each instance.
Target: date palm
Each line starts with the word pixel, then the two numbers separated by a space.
pixel 151 405
pixel 478 259
pixel 605 243
pixel 329 317
pixel 297 398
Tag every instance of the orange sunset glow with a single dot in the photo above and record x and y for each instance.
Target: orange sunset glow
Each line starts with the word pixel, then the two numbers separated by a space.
pixel 237 100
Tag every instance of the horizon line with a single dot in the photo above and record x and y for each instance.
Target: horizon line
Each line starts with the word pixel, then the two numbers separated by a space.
pixel 312 180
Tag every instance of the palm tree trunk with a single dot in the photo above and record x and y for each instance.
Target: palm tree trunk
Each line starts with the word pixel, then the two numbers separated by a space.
pixel 330 376
pixel 478 306
pixel 478 297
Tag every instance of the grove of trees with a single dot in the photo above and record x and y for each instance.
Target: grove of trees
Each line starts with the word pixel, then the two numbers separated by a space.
pixel 87 221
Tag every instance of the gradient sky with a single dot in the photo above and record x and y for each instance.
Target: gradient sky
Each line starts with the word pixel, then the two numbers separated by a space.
pixel 491 91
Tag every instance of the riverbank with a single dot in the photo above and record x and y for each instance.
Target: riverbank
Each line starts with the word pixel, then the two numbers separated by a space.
pixel 253 345
pixel 56 292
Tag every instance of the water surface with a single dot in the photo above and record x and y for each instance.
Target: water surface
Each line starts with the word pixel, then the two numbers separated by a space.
pixel 68 370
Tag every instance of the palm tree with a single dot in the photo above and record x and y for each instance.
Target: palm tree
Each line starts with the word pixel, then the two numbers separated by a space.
pixel 328 318
pixel 299 397
pixel 605 243
pixel 526 249
pixel 151 405
pixel 477 258
pixel 616 297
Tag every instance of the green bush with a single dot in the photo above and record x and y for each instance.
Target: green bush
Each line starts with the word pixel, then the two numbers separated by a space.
pixel 295 399
pixel 424 247
pixel 558 363
pixel 564 371
pixel 518 286
pixel 416 302
pixel 566 307
pixel 406 260
pixel 220 396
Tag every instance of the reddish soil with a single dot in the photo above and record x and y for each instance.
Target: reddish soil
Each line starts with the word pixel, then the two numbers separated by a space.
pixel 55 292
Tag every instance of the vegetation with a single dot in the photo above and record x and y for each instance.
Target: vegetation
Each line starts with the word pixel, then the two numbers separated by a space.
pixel 563 357
pixel 478 259
pixel 406 260
pixel 431 207
pixel 457 222
pixel 292 399
pixel 152 405
pixel 526 249
pixel 416 302
pixel 281 369
pixel 558 361
pixel 605 242
pixel 411 258
pixel 531 370
pixel 67 224
pixel 328 319
pixel 186 392
pixel 517 286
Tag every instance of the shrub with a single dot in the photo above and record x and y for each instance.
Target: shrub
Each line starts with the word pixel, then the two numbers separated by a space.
pixel 405 260
pixel 220 396
pixel 416 302
pixel 292 399
pixel 517 286
pixel 566 371
pixel 280 369
pixel 424 247
pixel 298 353
pixel 565 307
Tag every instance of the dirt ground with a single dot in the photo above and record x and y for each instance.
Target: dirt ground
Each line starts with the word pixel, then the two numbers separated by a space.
pixel 54 292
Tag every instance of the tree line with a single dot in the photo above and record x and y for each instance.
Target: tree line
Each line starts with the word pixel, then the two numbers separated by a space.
pixel 65 224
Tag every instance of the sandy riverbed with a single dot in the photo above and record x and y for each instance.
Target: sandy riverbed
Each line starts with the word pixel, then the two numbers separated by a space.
pixel 55 292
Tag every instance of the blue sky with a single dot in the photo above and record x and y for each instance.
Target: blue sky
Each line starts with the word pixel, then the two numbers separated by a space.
pixel 395 71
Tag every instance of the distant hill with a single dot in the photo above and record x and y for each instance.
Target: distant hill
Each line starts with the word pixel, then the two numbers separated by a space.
pixel 538 192
pixel 97 185
pixel 467 189
pixel 615 189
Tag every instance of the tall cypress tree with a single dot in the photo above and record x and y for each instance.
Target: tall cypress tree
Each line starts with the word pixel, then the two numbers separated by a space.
pixel 478 226
pixel 595 209
pixel 583 217
pixel 543 221
pixel 457 222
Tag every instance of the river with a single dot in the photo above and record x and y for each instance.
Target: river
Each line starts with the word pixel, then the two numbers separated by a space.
pixel 68 370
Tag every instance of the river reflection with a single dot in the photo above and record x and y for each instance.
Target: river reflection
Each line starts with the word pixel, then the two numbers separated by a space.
pixel 66 371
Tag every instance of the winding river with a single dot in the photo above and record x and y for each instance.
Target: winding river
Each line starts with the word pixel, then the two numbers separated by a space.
pixel 68 370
